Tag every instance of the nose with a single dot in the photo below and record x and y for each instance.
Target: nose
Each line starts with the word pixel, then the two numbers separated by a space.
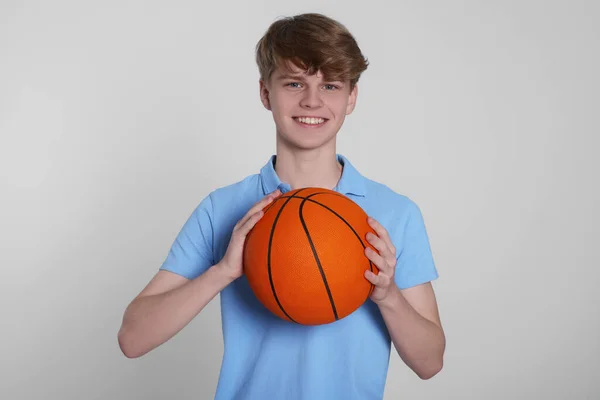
pixel 311 98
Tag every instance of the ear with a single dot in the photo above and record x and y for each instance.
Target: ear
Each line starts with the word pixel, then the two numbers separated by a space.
pixel 264 95
pixel 352 100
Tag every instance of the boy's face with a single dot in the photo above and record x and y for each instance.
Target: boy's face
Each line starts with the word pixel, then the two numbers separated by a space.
pixel 308 110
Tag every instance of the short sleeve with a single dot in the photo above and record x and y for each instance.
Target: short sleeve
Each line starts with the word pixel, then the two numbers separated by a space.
pixel 192 251
pixel 414 262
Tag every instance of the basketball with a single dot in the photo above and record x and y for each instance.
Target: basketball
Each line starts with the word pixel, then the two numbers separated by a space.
pixel 304 259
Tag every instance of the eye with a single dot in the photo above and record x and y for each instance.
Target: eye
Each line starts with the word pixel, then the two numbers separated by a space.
pixel 330 87
pixel 293 84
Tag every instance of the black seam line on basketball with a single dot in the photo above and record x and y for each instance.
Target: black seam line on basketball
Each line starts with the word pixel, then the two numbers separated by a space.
pixel 346 222
pixel 355 233
pixel 285 196
pixel 268 206
pixel 300 197
pixel 336 214
pixel 314 250
pixel 293 195
pixel 269 261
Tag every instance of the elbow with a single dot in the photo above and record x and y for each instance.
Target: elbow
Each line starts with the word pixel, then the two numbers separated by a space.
pixel 434 364
pixel 430 371
pixel 126 344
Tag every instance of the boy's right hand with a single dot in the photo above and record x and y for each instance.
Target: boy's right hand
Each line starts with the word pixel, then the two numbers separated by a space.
pixel 232 262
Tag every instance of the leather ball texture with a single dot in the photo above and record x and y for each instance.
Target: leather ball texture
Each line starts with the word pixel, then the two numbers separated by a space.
pixel 305 258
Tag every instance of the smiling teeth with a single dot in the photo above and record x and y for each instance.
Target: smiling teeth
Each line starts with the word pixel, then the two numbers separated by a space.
pixel 311 121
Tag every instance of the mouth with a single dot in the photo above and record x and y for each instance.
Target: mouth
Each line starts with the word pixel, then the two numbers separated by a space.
pixel 311 122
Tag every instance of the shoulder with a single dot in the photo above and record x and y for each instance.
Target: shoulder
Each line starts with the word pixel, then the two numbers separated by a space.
pixel 396 211
pixel 375 194
pixel 237 190
pixel 231 200
pixel 387 198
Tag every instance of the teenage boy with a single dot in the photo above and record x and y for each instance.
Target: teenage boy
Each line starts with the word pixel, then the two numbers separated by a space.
pixel 309 68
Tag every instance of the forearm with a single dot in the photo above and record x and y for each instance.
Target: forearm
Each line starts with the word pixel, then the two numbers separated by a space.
pixel 151 320
pixel 419 342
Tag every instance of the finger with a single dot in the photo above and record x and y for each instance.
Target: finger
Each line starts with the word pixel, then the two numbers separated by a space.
pixel 268 199
pixel 264 202
pixel 245 219
pixel 378 260
pixel 249 224
pixel 380 280
pixel 378 243
pixel 258 206
pixel 382 233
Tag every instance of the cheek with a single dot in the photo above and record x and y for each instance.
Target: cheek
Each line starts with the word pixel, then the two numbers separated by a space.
pixel 279 105
pixel 338 105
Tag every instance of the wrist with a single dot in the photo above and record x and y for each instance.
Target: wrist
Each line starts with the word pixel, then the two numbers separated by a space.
pixel 224 273
pixel 391 300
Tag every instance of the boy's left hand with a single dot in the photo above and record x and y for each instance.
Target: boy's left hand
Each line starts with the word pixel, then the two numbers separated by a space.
pixel 385 262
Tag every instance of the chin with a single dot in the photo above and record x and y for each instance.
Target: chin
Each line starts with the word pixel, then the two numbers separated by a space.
pixel 306 143
pixel 307 138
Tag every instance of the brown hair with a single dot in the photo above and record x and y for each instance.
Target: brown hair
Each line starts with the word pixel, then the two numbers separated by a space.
pixel 312 42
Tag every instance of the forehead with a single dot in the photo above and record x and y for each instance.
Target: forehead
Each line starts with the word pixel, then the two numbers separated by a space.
pixel 294 71
pixel 291 70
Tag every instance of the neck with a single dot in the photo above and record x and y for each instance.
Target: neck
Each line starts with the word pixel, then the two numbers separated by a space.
pixel 310 168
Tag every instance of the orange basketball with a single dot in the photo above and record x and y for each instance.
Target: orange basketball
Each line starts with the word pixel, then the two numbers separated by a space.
pixel 305 258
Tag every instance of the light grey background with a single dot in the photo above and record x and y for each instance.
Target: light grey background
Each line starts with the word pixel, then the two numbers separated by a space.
pixel 118 117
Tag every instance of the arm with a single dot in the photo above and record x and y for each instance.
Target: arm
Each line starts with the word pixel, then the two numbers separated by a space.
pixel 170 301
pixel 166 306
pixel 412 319
pixel 411 315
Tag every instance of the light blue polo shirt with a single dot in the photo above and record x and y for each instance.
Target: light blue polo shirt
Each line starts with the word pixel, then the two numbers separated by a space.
pixel 267 358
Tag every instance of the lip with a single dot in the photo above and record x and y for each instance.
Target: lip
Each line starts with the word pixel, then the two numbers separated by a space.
pixel 309 116
pixel 311 126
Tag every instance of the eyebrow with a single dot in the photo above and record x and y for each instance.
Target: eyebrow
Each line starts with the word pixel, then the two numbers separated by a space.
pixel 287 76
pixel 302 78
